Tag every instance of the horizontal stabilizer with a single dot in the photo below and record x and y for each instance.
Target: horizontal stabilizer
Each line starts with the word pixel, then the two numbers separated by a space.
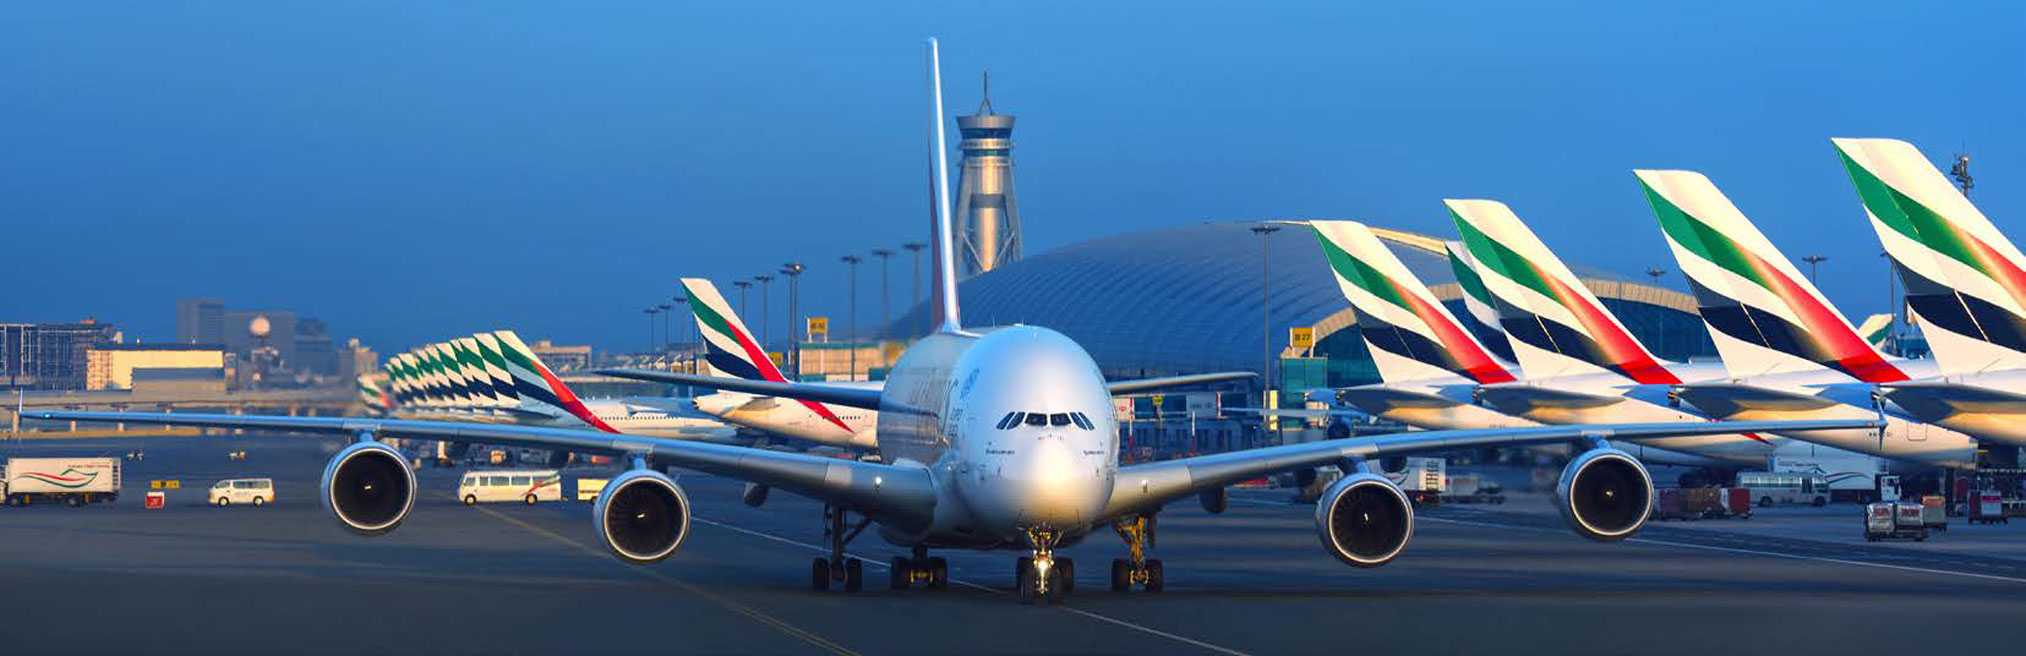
pixel 1152 384
pixel 1382 397
pixel 856 397
pixel 1516 398
pixel 1953 398
pixel 1723 399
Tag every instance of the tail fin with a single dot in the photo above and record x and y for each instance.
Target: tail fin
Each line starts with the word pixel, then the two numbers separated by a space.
pixel 465 349
pixel 1965 282
pixel 496 367
pixel 1410 334
pixel 1479 316
pixel 534 379
pixel 1557 326
pixel 371 393
pixel 729 347
pixel 1764 316
pixel 940 237
pixel 446 363
pixel 1876 329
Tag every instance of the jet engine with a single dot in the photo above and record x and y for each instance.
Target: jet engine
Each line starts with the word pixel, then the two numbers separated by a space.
pixel 368 487
pixel 1605 494
pixel 642 516
pixel 1364 519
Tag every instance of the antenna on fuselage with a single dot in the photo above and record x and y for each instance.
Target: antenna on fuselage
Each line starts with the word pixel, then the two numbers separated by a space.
pixel 945 288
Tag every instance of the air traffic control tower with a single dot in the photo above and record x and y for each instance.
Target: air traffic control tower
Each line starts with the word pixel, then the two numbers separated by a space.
pixel 986 207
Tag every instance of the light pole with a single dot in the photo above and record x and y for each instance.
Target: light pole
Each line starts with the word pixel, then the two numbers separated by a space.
pixel 1961 172
pixel 852 316
pixel 884 255
pixel 1655 273
pixel 1813 260
pixel 651 311
pixel 916 248
pixel 1265 232
pixel 666 310
pixel 766 319
pixel 742 284
pixel 682 302
pixel 793 270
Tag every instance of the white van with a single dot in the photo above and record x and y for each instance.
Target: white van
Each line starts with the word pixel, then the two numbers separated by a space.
pixel 252 491
pixel 526 486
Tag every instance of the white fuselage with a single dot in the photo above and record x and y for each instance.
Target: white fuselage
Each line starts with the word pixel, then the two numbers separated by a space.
pixel 1637 403
pixel 942 407
pixel 1418 406
pixel 1908 441
pixel 852 428
pixel 1985 405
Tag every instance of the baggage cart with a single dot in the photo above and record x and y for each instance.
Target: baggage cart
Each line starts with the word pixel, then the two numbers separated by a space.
pixel 1986 507
pixel 1934 512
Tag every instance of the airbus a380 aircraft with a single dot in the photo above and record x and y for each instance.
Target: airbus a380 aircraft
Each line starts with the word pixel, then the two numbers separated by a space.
pixel 961 472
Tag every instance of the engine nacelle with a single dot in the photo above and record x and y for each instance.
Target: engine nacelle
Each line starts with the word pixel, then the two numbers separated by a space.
pixel 1605 494
pixel 1364 519
pixel 369 488
pixel 642 516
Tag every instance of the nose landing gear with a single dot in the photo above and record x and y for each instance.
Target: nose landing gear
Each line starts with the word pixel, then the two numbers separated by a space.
pixel 1140 570
pixel 1042 576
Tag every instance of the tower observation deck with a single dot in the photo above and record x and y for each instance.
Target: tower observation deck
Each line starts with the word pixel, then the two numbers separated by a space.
pixel 986 208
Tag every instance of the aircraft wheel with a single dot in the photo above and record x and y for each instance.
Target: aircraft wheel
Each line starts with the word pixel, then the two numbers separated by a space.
pixel 1024 580
pixel 819 574
pixel 1121 575
pixel 1057 590
pixel 1154 577
pixel 1066 570
pixel 899 573
pixel 854 575
pixel 939 573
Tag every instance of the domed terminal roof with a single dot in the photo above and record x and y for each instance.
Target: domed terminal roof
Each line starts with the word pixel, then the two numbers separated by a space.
pixel 1186 299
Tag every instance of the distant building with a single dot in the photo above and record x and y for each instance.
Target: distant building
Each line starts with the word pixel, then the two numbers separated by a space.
pixel 315 351
pixel 200 321
pixel 562 358
pixel 50 356
pixel 357 359
pixel 281 332
pixel 196 368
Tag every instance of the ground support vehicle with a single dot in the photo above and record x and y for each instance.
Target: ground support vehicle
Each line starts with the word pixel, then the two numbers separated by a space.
pixel 1894 520
pixel 1986 507
pixel 73 481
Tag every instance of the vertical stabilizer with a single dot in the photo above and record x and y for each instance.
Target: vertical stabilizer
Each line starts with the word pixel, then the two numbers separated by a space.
pixel 1965 282
pixel 1765 317
pixel 1557 326
pixel 534 379
pixel 1479 315
pixel 945 274
pixel 1410 334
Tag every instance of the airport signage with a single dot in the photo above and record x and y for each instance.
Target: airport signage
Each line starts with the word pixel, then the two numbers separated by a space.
pixel 1302 338
pixel 819 326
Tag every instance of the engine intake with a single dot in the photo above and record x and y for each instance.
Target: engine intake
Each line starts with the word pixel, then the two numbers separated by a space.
pixel 1605 494
pixel 642 516
pixel 1364 519
pixel 369 488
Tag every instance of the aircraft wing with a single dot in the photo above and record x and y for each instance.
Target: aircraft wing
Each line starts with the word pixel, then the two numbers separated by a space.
pixel 855 397
pixel 1516 398
pixel 1151 384
pixel 1147 486
pixel 1949 398
pixel 890 493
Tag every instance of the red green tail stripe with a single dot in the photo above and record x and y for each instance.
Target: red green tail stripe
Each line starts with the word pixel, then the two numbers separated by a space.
pixel 1910 218
pixel 760 360
pixel 1620 352
pixel 1457 344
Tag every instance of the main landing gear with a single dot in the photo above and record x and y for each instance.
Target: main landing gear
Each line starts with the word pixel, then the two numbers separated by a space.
pixel 1042 576
pixel 837 567
pixel 1138 533
pixel 934 572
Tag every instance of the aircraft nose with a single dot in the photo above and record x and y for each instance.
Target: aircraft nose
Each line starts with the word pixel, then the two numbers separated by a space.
pixel 1048 483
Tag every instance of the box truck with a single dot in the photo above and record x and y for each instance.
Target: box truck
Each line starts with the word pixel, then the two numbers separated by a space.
pixel 75 481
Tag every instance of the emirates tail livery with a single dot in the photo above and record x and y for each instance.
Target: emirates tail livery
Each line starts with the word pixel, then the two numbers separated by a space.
pixel 1002 440
pixel 1429 364
pixel 1965 285
pixel 1788 353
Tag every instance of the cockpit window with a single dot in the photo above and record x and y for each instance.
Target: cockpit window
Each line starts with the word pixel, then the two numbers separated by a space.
pixel 1037 419
pixel 1059 419
pixel 1010 420
pixel 1081 421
